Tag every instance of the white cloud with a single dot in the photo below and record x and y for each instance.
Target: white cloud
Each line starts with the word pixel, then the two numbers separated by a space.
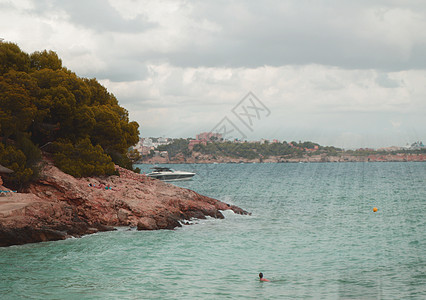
pixel 329 70
pixel 311 100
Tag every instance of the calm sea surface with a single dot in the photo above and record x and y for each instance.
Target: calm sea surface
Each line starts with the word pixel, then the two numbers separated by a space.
pixel 313 233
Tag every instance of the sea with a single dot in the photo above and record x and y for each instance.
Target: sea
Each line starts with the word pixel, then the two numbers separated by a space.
pixel 312 232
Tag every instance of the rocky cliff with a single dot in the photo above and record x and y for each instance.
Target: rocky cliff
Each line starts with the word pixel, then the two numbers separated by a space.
pixel 59 206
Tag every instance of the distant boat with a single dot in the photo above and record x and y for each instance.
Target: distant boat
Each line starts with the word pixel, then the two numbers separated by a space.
pixel 167 174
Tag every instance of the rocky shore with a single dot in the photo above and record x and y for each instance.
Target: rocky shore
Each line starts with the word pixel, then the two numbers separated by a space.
pixel 198 158
pixel 59 206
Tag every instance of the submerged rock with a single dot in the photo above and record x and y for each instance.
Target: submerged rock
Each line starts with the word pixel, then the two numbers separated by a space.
pixel 59 206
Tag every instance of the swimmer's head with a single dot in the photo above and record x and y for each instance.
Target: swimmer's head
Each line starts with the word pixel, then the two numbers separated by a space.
pixel 260 275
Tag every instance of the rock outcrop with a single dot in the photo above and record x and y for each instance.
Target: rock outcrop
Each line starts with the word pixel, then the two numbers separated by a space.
pixel 58 206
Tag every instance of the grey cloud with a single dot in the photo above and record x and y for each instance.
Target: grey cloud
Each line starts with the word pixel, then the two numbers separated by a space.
pixel 384 81
pixel 96 15
pixel 123 70
pixel 275 33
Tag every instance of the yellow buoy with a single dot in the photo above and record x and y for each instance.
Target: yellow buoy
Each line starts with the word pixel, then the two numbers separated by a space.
pixel 375 209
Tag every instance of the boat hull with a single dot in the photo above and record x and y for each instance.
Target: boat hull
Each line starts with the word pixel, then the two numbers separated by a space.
pixel 171 177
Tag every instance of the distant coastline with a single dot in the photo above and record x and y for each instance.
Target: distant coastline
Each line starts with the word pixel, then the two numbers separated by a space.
pixel 209 148
pixel 198 158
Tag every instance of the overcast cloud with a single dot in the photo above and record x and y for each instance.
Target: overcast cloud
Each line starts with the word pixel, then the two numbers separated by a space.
pixel 342 73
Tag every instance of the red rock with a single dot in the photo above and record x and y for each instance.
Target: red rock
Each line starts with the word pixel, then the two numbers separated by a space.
pixel 58 206
pixel 147 223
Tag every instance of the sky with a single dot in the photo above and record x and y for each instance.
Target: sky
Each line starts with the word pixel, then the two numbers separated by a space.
pixel 342 73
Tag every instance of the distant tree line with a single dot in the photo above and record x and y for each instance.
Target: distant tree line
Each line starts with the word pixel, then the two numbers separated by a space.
pixel 176 147
pixel 245 149
pixel 258 150
pixel 46 107
pixel 255 150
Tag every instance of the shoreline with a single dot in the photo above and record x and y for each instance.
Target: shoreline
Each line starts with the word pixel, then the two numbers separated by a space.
pixel 59 206
pixel 321 158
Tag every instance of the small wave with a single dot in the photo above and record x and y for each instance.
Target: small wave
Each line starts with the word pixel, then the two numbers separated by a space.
pixel 230 213
pixel 187 222
pixel 125 228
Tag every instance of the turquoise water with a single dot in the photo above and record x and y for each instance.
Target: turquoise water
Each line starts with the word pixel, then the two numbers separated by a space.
pixel 312 233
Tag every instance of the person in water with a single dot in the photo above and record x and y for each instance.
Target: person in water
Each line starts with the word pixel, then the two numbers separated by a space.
pixel 261 277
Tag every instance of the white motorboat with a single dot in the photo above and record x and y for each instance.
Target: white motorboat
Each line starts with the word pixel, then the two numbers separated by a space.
pixel 167 174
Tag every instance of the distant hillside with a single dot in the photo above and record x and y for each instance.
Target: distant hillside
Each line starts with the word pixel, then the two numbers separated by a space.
pixel 180 151
pixel 246 150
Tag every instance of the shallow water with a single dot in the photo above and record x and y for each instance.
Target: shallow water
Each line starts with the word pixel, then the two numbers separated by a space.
pixel 312 232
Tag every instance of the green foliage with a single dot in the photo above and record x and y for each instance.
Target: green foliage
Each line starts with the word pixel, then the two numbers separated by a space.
pixel 82 159
pixel 44 102
pixel 134 155
pixel 12 58
pixel 178 146
pixel 121 159
pixel 308 145
pixel 17 108
pixel 112 129
pixel 16 160
pixel 246 150
pixel 31 151
pixel 99 94
pixel 45 60
pixel 259 150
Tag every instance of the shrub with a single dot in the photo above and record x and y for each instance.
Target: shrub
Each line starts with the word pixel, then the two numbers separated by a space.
pixel 82 159
pixel 15 159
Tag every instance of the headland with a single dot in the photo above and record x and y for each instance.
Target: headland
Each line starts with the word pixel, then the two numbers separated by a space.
pixel 58 206
pixel 201 158
pixel 211 148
